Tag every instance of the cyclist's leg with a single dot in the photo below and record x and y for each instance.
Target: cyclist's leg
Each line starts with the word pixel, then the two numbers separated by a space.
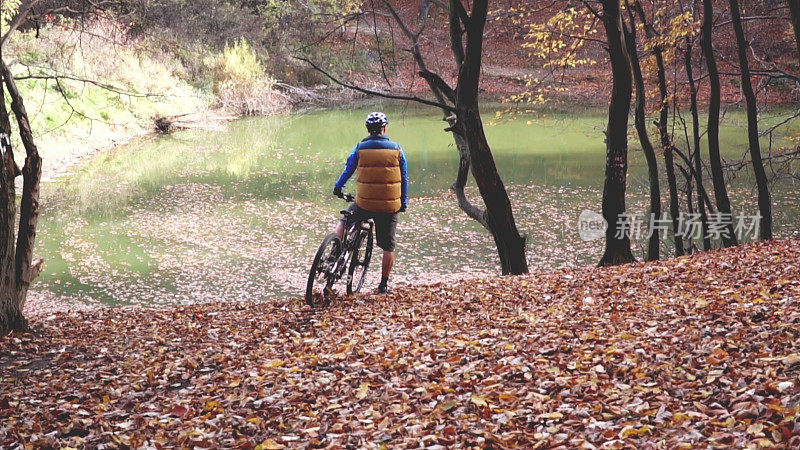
pixel 385 226
pixel 387 263
pixel 340 225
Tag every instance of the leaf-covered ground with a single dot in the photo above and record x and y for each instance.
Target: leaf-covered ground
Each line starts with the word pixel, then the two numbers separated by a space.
pixel 700 351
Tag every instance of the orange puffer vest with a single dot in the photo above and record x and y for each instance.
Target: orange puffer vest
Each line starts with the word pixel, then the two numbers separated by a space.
pixel 379 180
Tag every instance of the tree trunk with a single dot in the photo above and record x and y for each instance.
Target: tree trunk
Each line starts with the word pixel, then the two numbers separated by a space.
pixel 16 278
pixel 424 8
pixel 641 129
pixel 11 317
pixel 690 244
pixel 475 213
pixel 794 11
pixel 499 214
pixel 666 141
pixel 717 175
pixel 698 163
pixel 669 159
pixel 618 244
pixel 467 128
pixel 764 200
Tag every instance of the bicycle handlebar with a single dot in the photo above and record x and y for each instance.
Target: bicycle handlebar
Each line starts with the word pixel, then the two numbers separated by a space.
pixel 347 197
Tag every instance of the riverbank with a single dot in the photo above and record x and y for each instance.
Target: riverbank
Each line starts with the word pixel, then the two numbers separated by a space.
pixel 91 86
pixel 691 351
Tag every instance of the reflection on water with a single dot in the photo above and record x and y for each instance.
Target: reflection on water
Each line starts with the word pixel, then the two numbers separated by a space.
pixel 202 216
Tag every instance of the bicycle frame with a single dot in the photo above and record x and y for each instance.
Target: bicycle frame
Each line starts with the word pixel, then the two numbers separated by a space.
pixel 352 227
pixel 330 265
pixel 350 238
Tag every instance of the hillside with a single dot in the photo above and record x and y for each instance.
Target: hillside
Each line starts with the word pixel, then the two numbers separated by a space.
pixel 508 65
pixel 693 351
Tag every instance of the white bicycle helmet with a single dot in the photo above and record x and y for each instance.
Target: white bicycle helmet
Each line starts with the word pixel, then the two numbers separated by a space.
pixel 376 121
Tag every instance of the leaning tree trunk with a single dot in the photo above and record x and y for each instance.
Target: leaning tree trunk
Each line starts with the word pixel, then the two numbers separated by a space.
pixel 794 11
pixel 698 163
pixel 16 260
pixel 764 200
pixel 717 174
pixel 618 244
pixel 640 119
pixel 467 128
pixel 499 214
pixel 446 95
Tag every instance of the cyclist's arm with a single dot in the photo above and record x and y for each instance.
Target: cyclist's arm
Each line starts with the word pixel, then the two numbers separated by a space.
pixel 349 168
pixel 404 174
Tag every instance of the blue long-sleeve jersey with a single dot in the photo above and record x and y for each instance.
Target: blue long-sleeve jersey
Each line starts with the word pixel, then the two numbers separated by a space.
pixel 376 141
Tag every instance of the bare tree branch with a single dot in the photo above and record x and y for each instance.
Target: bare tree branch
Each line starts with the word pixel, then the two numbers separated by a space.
pixel 376 93
pixel 438 83
pixel 104 86
pixel 593 11
pixel 378 45
pixel 771 129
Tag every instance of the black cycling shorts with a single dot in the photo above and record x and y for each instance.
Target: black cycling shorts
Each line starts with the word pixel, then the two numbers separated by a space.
pixel 385 225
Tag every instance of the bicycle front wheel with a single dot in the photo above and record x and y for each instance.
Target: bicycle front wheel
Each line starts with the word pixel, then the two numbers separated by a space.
pixel 323 271
pixel 357 272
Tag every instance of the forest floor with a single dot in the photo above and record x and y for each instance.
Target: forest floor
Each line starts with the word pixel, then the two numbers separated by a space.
pixel 694 351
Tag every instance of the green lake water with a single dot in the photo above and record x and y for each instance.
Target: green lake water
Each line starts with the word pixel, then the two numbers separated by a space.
pixel 202 216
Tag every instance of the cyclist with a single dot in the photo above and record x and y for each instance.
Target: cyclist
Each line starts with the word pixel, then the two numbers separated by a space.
pixel 382 187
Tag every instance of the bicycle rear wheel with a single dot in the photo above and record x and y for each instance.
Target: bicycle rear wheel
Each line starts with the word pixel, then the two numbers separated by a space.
pixel 357 272
pixel 322 276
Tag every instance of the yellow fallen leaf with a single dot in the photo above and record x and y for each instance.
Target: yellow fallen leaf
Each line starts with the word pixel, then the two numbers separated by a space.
pixel 680 417
pixel 764 443
pixel 756 429
pixel 728 423
pixel 449 405
pixel 362 391
pixel 478 400
pixel 269 444
pixel 211 405
pixel 506 397
pixel 274 363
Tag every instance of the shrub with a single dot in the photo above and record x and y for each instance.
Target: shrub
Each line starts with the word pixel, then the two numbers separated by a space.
pixel 250 97
pixel 240 82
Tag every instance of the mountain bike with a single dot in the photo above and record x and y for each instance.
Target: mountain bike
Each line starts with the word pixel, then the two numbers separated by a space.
pixel 335 256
